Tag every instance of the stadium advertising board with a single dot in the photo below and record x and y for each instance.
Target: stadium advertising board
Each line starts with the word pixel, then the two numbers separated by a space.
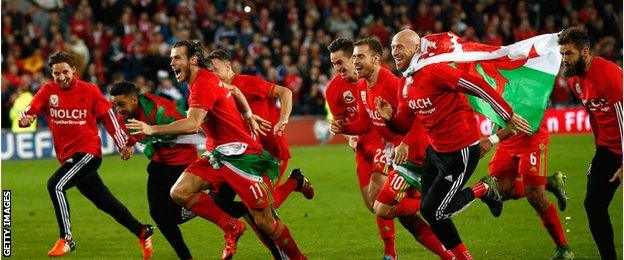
pixel 308 131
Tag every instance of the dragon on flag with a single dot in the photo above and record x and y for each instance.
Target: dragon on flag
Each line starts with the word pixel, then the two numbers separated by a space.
pixel 523 73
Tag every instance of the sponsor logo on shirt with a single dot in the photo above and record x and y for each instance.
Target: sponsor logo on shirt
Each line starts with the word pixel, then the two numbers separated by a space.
pixel 54 100
pixel 64 113
pixel 420 103
pixel 348 97
pixel 363 95
pixel 596 104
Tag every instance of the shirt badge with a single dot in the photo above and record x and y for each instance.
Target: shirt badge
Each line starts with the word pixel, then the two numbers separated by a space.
pixel 54 100
pixel 348 97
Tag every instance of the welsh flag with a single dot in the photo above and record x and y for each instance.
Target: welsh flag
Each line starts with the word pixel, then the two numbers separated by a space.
pixel 524 72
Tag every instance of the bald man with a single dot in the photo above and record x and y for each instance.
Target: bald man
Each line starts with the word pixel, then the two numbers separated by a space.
pixel 435 96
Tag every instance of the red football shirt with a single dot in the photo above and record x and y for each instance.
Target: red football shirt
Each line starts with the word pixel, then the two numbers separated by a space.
pixel 386 87
pixel 600 91
pixel 72 113
pixel 257 91
pixel 223 123
pixel 435 97
pixel 341 98
pixel 176 154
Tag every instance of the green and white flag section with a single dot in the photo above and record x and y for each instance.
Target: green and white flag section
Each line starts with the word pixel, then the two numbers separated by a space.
pixel 524 72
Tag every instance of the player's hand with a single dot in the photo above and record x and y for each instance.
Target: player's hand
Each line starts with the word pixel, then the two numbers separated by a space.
pixel 278 129
pixel 254 126
pixel 137 127
pixel 384 108
pixel 127 152
pixel 264 125
pixel 485 146
pixel 26 120
pixel 617 175
pixel 518 124
pixel 401 152
pixel 335 126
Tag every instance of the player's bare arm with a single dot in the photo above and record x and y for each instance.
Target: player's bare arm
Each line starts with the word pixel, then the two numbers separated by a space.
pixel 285 96
pixel 487 144
pixel 617 175
pixel 401 153
pixel 189 125
pixel 26 120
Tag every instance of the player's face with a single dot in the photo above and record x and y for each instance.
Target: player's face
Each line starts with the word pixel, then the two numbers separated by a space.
pixel 180 64
pixel 343 66
pixel 63 74
pixel 126 105
pixel 364 61
pixel 573 59
pixel 402 51
pixel 221 68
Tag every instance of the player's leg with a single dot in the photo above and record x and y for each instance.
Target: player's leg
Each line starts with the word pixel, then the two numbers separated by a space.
pixel 257 197
pixel 225 199
pixel 436 188
pixel 394 192
pixel 70 173
pixel 163 210
pixel 598 197
pixel 296 182
pixel 532 166
pixel 504 167
pixel 385 227
pixel 94 189
pixel 189 192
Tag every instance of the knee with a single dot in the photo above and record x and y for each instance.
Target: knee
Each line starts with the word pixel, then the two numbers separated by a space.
pixel 537 197
pixel 52 183
pixel 383 211
pixel 179 195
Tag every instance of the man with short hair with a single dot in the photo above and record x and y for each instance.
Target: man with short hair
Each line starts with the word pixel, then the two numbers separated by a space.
pixel 434 96
pixel 72 109
pixel 168 158
pixel 387 203
pixel 597 83
pixel 236 159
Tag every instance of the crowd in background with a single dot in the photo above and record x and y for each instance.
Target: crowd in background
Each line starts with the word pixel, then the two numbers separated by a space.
pixel 282 41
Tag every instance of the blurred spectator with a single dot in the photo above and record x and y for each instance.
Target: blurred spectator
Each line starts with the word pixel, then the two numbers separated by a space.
pixel 21 99
pixel 283 41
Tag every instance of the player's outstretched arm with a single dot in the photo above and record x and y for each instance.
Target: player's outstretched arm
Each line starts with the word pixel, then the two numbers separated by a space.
pixel 285 96
pixel 189 125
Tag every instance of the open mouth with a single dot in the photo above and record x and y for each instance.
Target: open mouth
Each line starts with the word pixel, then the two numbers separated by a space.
pixel 359 69
pixel 177 72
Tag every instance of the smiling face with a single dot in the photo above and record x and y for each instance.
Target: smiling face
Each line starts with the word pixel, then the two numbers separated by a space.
pixel 63 74
pixel 180 63
pixel 405 45
pixel 343 65
pixel 364 60
pixel 126 105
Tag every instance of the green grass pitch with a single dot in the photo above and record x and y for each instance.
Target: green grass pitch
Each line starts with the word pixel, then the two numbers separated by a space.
pixel 334 225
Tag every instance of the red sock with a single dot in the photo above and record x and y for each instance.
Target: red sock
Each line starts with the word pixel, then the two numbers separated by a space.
pixel 518 190
pixel 386 232
pixel 204 206
pixel 550 220
pixel 461 252
pixel 283 239
pixel 479 189
pixel 425 236
pixel 281 193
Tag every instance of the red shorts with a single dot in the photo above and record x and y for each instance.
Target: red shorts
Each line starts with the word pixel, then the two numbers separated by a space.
pixel 252 190
pixel 395 189
pixel 530 163
pixel 369 158
pixel 276 145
